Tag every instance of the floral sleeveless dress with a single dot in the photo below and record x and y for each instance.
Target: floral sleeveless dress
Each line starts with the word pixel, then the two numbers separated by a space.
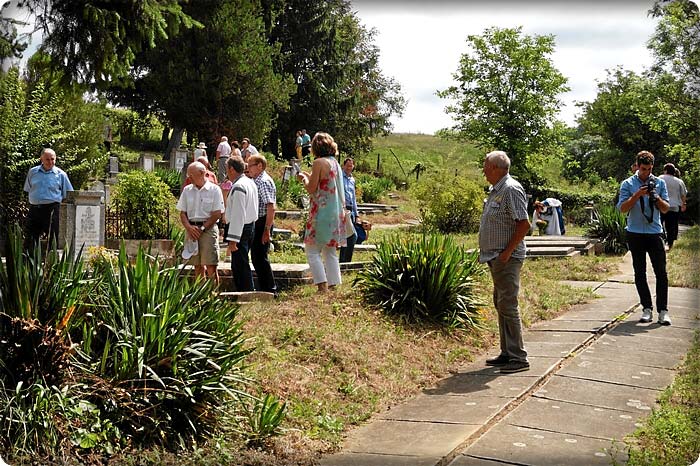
pixel 326 223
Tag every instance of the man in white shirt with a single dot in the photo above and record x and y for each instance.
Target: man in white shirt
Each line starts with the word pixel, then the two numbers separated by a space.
pixel 201 204
pixel 242 212
pixel 676 202
pixel 223 151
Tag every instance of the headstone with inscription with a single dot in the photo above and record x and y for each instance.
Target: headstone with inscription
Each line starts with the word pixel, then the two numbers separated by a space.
pixel 85 220
pixel 113 166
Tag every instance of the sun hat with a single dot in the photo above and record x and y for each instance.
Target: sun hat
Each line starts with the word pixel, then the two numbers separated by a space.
pixel 201 145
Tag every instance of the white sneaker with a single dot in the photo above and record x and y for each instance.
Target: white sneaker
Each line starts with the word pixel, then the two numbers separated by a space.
pixel 663 318
pixel 646 315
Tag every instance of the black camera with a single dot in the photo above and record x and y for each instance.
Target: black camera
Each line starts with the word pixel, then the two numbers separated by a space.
pixel 651 188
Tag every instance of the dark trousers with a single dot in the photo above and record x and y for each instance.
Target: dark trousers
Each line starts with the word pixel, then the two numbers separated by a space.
pixel 258 253
pixel 42 218
pixel 240 261
pixel 640 245
pixel 346 251
pixel 670 221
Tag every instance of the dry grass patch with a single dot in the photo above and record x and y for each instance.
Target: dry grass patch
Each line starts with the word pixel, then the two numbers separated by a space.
pixel 683 260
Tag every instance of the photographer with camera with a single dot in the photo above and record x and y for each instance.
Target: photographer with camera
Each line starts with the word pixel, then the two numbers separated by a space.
pixel 644 198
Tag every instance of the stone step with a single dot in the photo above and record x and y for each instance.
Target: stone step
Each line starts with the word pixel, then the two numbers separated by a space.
pixel 288 214
pixel 549 251
pixel 383 207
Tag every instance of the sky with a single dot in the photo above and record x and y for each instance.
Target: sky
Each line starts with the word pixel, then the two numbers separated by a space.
pixel 421 42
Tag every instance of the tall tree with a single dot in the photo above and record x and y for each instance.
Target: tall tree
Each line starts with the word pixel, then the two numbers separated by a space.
pixel 213 80
pixel 334 63
pixel 614 115
pixel 507 94
pixel 96 41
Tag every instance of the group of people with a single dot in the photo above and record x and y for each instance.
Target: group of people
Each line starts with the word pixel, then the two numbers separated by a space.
pixel 645 199
pixel 302 144
pixel 244 203
pixel 249 210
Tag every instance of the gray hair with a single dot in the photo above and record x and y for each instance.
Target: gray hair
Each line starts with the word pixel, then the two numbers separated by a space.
pixel 196 166
pixel 224 138
pixel 498 159
pixel 236 163
pixel 48 150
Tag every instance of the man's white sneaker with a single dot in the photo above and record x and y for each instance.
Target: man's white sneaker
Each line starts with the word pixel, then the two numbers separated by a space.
pixel 663 318
pixel 646 315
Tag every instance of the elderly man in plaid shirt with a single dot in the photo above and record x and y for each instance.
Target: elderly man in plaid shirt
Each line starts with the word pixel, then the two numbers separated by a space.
pixel 504 224
pixel 267 197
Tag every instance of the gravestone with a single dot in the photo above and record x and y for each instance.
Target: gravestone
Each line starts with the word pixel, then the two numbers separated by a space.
pixel 147 162
pixel 84 224
pixel 179 158
pixel 113 168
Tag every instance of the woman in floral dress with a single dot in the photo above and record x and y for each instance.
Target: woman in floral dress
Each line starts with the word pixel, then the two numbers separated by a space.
pixel 325 228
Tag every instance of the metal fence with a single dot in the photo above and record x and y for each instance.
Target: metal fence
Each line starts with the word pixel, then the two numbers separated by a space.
pixel 119 224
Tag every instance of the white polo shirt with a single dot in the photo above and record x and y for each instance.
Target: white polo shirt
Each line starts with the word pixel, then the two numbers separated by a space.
pixel 201 203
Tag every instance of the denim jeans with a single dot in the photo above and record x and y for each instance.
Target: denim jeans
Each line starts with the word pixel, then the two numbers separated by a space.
pixel 640 245
pixel 240 261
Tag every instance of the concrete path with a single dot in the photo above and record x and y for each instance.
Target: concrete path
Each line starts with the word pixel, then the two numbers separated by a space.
pixel 595 371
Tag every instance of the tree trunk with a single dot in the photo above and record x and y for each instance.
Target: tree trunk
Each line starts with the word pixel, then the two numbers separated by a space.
pixel 174 143
pixel 164 137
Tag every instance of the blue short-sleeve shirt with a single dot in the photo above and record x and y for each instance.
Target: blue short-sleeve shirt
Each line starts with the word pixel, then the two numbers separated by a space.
pixel 636 220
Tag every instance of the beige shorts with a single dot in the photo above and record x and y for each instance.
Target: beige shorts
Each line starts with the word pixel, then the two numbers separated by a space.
pixel 208 248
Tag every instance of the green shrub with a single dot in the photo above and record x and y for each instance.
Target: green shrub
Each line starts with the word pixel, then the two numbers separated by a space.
pixel 143 199
pixel 450 204
pixel 171 177
pixel 371 188
pixel 166 349
pixel 290 195
pixel 428 279
pixel 609 228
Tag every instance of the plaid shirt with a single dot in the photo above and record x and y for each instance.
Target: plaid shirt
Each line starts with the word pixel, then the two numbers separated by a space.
pixel 267 192
pixel 506 204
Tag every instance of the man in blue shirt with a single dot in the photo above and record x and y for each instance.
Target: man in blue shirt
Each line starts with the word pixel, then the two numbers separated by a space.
pixel 351 205
pixel 47 186
pixel 644 198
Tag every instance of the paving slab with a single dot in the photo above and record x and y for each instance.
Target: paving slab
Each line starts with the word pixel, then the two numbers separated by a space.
pixel 548 349
pixel 448 409
pixel 470 384
pixel 574 338
pixel 572 418
pixel 687 323
pixel 526 446
pixel 598 394
pixel 408 438
pixel 621 373
pixel 472 461
pixel 539 366
pixel 365 459
pixel 640 358
pixel 623 344
pixel 586 326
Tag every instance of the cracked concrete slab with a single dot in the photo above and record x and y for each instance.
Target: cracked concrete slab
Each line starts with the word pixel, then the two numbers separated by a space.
pixel 547 349
pixel 574 419
pixel 536 447
pixel 626 343
pixel 408 438
pixel 599 394
pixel 448 408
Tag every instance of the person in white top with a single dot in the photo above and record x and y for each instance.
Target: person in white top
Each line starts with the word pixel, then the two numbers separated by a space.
pixel 200 151
pixel 201 204
pixel 223 151
pixel 676 200
pixel 242 210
